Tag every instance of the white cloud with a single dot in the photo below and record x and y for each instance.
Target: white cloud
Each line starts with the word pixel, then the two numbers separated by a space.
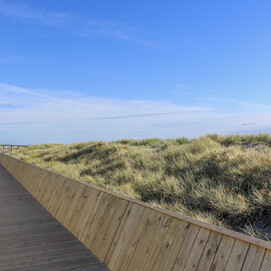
pixel 40 111
pixel 82 107
pixel 38 116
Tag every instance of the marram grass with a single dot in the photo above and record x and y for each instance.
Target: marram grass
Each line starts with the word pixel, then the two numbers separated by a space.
pixel 225 181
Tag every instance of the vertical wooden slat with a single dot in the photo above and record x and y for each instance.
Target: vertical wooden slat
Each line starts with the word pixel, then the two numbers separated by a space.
pixel 144 253
pixel 77 197
pixel 176 245
pixel 237 256
pixel 148 228
pixel 186 248
pixel 104 223
pixel 91 198
pixel 209 251
pixel 98 220
pixel 223 253
pixel 266 264
pixel 197 249
pixel 123 236
pixel 164 249
pixel 94 204
pixel 79 211
pixel 111 230
pixel 135 239
pixel 254 258
pixel 156 245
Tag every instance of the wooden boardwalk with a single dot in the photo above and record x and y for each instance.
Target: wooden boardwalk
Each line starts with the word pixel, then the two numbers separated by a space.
pixel 32 239
pixel 125 234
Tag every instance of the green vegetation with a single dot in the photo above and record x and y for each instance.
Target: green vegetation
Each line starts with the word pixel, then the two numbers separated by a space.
pixel 221 180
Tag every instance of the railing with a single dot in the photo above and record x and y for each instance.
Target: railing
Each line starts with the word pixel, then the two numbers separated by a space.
pixel 129 235
pixel 10 146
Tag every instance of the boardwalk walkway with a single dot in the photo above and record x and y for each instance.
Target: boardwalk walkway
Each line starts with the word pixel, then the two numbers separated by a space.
pixel 31 239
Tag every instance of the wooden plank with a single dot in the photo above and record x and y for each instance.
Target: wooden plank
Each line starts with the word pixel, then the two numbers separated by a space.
pixel 237 256
pixel 254 258
pixel 197 250
pixel 149 242
pixel 97 220
pixel 68 253
pixel 91 209
pixel 110 232
pixel 157 243
pixel 76 197
pixel 86 211
pixel 123 236
pixel 45 196
pixel 266 264
pixel 107 217
pixel 165 248
pixel 148 228
pixel 209 252
pixel 135 240
pixel 187 245
pixel 16 252
pixel 67 201
pixel 223 253
pixel 176 245
pixel 79 211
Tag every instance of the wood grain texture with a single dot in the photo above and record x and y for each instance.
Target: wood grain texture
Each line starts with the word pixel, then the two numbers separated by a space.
pixel 223 253
pixel 186 248
pixel 238 255
pixel 157 243
pixel 266 264
pixel 254 258
pixel 166 245
pixel 209 252
pixel 197 250
pixel 176 245
pixel 135 240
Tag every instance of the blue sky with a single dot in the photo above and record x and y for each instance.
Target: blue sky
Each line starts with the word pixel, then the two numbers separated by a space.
pixel 73 71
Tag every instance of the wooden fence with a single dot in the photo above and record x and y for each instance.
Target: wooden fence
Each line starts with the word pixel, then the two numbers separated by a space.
pixel 128 234
pixel 9 147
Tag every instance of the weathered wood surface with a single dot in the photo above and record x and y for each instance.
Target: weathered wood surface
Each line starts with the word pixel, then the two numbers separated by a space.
pixel 127 234
pixel 32 239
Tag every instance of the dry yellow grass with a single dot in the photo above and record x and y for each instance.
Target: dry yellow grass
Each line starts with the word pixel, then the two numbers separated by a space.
pixel 221 180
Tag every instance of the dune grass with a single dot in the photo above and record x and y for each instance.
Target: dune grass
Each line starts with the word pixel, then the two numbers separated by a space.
pixel 225 181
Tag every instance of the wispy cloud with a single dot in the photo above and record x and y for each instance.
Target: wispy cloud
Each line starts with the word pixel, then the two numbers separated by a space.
pixel 87 27
pixel 91 117
pixel 192 109
pixel 67 116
